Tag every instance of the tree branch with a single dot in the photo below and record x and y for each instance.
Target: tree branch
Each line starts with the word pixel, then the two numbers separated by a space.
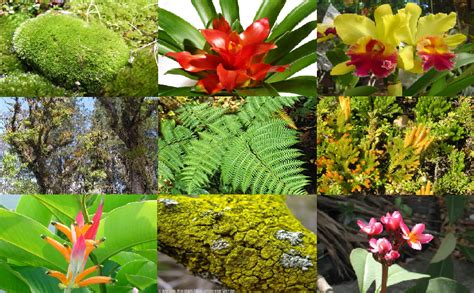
pixel 243 242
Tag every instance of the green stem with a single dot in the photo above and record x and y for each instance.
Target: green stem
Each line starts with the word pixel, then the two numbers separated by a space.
pixel 67 290
pixel 102 287
pixel 82 204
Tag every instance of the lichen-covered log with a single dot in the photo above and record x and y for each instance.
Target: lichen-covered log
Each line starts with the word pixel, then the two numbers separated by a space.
pixel 243 242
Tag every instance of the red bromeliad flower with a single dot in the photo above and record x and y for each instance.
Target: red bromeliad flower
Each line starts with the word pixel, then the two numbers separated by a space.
pixel 386 249
pixel 236 59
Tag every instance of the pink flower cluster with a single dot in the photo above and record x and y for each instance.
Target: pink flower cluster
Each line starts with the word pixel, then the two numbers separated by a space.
pixel 386 249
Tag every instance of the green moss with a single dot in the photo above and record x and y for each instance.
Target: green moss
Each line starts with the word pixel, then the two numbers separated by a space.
pixel 9 62
pixel 70 52
pixel 245 242
pixel 29 85
pixel 137 79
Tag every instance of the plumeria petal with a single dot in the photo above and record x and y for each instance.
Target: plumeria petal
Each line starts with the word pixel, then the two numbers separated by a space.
pixel 257 32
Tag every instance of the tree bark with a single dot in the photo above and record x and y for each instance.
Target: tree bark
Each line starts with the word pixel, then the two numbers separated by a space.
pixel 243 242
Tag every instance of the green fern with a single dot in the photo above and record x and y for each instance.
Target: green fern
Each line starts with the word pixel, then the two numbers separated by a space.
pixel 196 117
pixel 262 108
pixel 269 165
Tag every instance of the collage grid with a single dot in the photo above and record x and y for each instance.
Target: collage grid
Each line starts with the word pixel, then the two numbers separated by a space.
pixel 236 146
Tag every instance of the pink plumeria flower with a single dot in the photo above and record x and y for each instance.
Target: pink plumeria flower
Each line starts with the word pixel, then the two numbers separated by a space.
pixel 392 221
pixel 392 255
pixel 381 246
pixel 372 228
pixel 415 237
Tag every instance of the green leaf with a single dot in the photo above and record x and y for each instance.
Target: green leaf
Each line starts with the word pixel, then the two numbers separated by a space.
pixel 167 44
pixel 32 208
pixel 264 90
pixel 294 68
pixel 468 252
pixel 179 29
pixel 293 18
pixel 179 71
pixel 145 268
pixel 298 53
pixel 206 10
pixel 469 235
pixel 113 201
pixel 455 205
pixel 269 9
pixel 423 82
pixel 397 274
pixel 456 86
pixel 141 282
pixel 20 240
pixel 365 267
pixel 40 282
pixel 125 227
pixel 440 269
pixel 289 41
pixel 361 91
pixel 230 10
pixel 445 285
pixel 11 281
pixel 437 86
pixel 125 257
pixel 445 249
pixel 301 85
pixel 463 59
pixel 64 206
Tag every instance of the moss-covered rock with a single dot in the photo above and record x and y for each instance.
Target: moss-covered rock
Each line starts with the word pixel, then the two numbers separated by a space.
pixel 250 243
pixel 29 85
pixel 71 52
pixel 139 78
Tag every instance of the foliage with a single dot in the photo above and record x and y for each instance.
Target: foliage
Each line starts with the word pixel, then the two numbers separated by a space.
pixel 215 149
pixel 70 52
pixel 378 149
pixel 9 63
pixel 177 35
pixel 25 256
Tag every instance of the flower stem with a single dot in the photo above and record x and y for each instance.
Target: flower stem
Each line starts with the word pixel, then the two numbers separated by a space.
pixel 67 290
pixel 384 277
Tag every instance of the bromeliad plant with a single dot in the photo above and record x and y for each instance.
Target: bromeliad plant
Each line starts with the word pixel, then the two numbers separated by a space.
pixel 385 250
pixel 225 59
pixel 392 45
pixel 82 236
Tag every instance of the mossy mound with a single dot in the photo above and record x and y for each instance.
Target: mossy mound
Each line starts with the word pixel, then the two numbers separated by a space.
pixel 137 79
pixel 71 52
pixel 9 62
pixel 29 85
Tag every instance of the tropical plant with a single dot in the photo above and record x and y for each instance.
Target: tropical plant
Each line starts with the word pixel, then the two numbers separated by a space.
pixel 251 150
pixel 414 55
pixel 245 62
pixel 125 249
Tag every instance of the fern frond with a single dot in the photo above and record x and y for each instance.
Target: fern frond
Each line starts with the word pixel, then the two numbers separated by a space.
pixel 263 161
pixel 261 108
pixel 197 117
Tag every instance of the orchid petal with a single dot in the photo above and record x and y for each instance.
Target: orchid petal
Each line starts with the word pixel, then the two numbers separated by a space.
pixel 435 24
pixel 406 58
pixel 352 27
pixel 342 68
pixel 455 40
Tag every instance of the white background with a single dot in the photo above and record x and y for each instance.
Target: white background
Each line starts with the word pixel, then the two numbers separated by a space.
pixel 247 10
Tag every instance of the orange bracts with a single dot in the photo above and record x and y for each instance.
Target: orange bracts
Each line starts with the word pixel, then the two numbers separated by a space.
pixel 419 138
pixel 82 237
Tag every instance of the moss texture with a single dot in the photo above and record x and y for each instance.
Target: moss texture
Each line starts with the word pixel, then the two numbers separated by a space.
pixel 71 52
pixel 29 85
pixel 249 243
pixel 9 62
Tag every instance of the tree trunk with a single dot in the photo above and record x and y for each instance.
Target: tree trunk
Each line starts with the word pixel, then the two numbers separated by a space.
pixel 243 242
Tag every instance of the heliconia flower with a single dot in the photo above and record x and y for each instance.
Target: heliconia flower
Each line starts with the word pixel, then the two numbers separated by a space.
pixel 325 32
pixel 236 60
pixel 82 237
pixel 428 38
pixel 380 246
pixel 372 44
pixel 392 255
pixel 392 221
pixel 415 237
pixel 372 228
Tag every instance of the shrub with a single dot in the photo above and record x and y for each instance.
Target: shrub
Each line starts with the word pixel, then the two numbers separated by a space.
pixel 70 52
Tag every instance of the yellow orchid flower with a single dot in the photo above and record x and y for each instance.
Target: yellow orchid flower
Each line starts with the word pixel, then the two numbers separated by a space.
pixel 326 31
pixel 372 44
pixel 428 38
